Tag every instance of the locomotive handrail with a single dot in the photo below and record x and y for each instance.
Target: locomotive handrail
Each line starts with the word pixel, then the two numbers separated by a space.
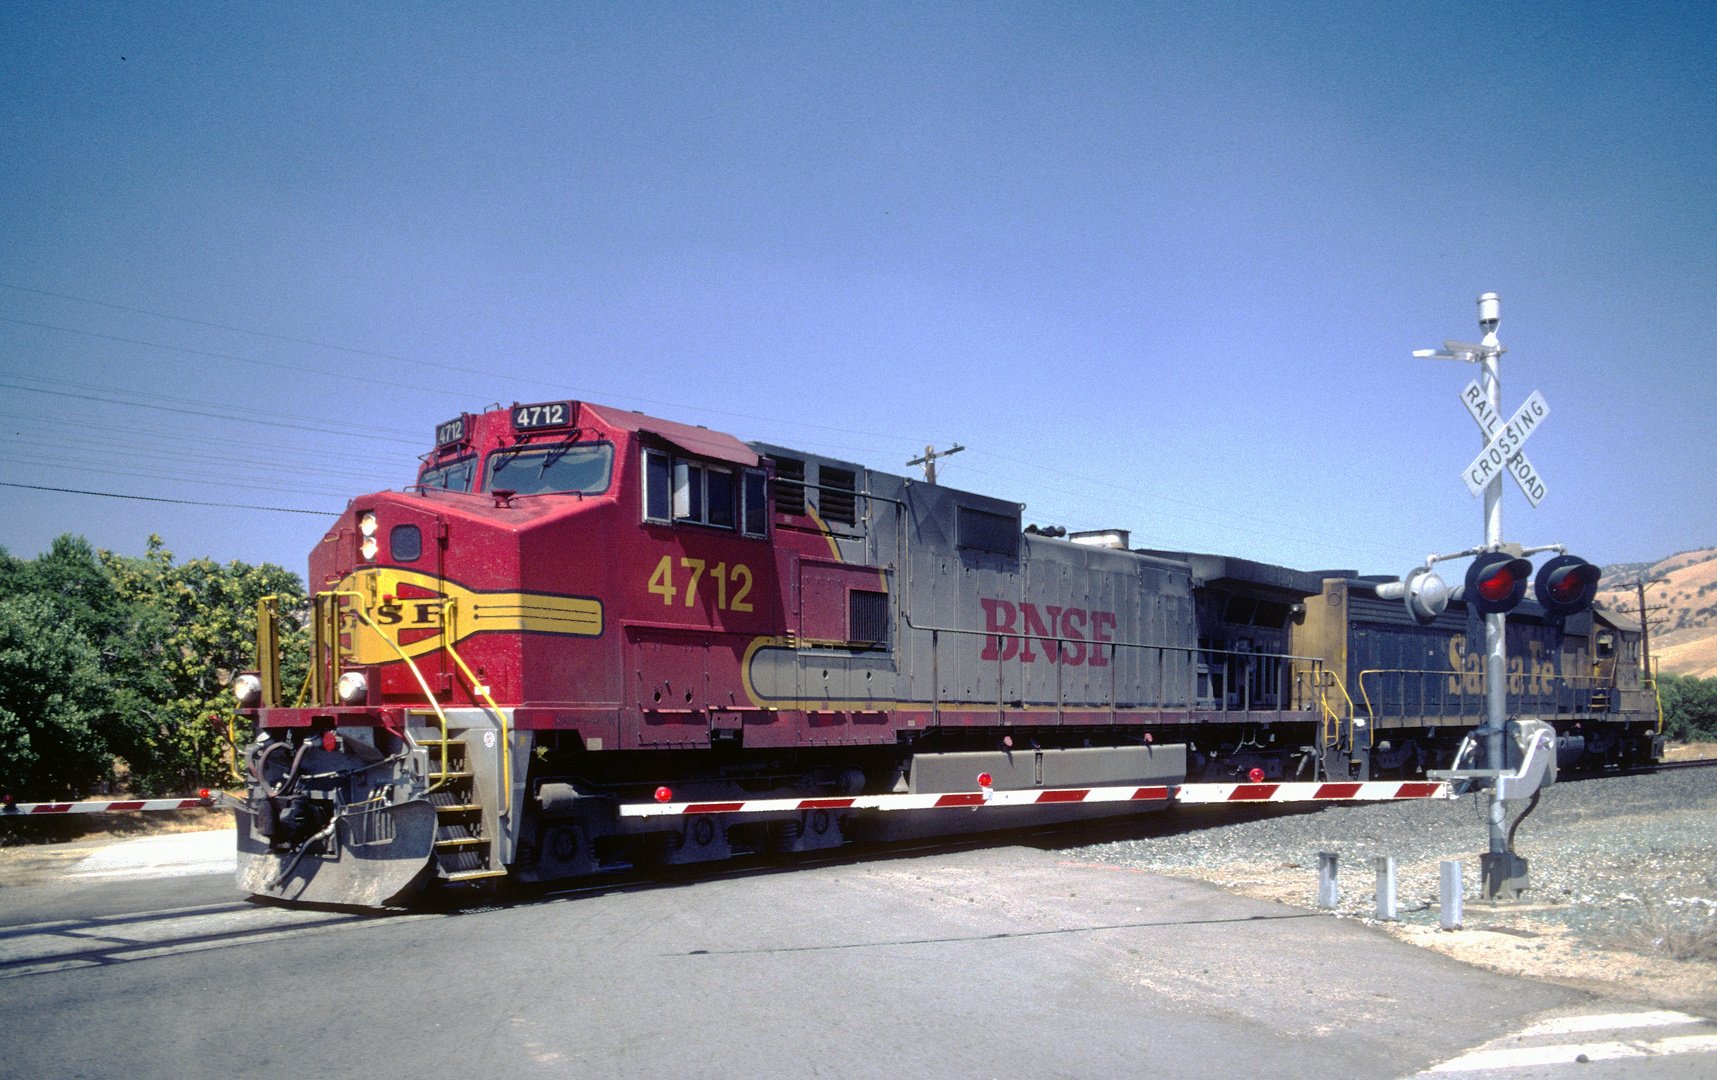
pixel 1656 694
pixel 268 648
pixel 449 614
pixel 1190 652
pixel 1059 639
pixel 428 694
pixel 1462 702
pixel 1331 719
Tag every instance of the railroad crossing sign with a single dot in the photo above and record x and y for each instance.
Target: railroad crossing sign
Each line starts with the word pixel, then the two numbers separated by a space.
pixel 1503 451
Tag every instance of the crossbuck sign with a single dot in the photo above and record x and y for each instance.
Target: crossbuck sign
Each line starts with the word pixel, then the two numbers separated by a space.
pixel 1503 452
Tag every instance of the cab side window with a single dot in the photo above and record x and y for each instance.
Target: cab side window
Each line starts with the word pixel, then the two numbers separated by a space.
pixel 688 491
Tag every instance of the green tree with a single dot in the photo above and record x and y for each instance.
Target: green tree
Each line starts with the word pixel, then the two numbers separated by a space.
pixel 194 629
pixel 1689 707
pixel 107 656
pixel 71 574
pixel 54 704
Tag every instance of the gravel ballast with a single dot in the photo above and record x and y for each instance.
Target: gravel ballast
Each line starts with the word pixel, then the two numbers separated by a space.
pixel 1623 896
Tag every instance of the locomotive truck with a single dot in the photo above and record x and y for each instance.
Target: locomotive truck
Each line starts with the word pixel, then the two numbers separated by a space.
pixel 587 638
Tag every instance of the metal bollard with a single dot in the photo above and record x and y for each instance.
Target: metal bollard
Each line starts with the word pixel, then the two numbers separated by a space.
pixel 1327 892
pixel 1450 915
pixel 1385 887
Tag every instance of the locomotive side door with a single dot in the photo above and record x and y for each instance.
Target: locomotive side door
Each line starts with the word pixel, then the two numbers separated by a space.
pixel 672 685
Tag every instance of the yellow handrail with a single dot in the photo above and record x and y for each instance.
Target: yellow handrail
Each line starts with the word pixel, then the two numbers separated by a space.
pixel 1656 694
pixel 428 694
pixel 449 607
pixel 1339 685
pixel 268 649
pixel 1572 682
pixel 1331 720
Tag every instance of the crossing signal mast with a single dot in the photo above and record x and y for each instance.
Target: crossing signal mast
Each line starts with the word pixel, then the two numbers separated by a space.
pixel 1495 583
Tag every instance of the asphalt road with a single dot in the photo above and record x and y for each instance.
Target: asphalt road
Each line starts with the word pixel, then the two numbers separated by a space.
pixel 1005 962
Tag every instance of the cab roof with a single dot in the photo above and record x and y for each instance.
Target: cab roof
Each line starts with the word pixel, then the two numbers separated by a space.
pixel 694 440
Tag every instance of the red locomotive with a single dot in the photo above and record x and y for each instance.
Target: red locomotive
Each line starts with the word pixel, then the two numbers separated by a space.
pixel 588 638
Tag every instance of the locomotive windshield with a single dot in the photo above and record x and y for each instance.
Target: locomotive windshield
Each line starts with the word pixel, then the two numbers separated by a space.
pixel 585 468
pixel 453 476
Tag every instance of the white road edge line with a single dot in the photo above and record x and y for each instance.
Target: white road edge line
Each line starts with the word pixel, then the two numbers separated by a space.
pixel 1612 1022
pixel 1567 1054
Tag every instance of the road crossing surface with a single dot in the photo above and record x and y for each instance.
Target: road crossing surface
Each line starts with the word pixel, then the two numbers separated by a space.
pixel 980 963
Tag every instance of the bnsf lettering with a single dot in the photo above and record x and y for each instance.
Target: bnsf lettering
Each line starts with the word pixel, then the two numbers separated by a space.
pixel 1065 634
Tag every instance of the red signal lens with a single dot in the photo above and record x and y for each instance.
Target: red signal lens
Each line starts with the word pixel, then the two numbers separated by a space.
pixel 664 794
pixel 328 738
pixel 203 794
pixel 1566 585
pixel 984 779
pixel 1571 582
pixel 1256 776
pixel 1497 586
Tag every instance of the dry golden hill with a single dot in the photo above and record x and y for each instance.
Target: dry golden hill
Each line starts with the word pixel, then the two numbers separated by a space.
pixel 1683 609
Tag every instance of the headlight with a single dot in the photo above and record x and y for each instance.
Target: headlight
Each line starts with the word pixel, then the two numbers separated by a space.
pixel 353 688
pixel 368 548
pixel 367 524
pixel 247 689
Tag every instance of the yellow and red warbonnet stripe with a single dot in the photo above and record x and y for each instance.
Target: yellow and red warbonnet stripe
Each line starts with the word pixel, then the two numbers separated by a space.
pixel 410 606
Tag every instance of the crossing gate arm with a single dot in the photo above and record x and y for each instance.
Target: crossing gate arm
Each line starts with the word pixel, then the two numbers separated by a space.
pixel 105 806
pixel 1368 791
pixel 1372 791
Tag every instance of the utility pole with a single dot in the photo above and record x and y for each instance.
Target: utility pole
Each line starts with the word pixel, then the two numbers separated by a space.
pixel 1645 627
pixel 929 460
pixel 1644 622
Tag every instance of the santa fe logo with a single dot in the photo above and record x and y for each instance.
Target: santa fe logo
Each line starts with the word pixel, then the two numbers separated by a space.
pixel 1502 453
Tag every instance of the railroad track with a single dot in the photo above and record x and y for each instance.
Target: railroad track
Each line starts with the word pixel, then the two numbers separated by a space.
pixel 1697 763
pixel 1647 770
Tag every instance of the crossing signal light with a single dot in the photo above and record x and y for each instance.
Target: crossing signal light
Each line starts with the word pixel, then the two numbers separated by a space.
pixel 1565 585
pixel 1496 582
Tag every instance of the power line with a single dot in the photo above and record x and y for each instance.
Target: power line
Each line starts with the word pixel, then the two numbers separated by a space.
pixel 89 449
pixel 209 415
pixel 238 359
pixel 414 436
pixel 109 470
pixel 557 387
pixel 181 502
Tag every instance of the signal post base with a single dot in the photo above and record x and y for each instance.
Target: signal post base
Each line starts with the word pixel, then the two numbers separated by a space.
pixel 1503 877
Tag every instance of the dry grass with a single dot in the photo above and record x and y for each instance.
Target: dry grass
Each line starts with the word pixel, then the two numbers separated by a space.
pixel 1687 645
pixel 1660 935
pixel 1697 751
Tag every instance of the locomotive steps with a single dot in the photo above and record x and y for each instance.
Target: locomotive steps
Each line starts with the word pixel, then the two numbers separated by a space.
pixel 463 848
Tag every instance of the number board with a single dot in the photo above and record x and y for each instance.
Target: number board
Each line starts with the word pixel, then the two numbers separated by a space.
pixel 544 415
pixel 451 432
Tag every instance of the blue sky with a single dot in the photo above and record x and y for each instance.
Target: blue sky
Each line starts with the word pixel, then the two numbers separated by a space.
pixel 1158 267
